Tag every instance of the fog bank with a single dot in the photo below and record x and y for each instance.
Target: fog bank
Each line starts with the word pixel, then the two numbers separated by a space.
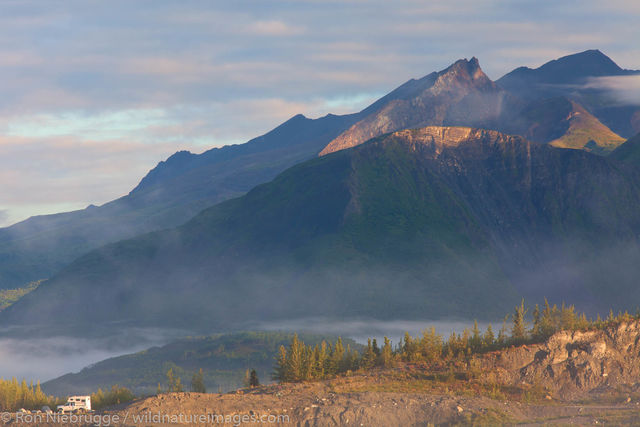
pixel 42 359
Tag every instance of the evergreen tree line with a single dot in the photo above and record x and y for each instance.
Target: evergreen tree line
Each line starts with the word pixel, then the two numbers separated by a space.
pixel 301 362
pixel 15 395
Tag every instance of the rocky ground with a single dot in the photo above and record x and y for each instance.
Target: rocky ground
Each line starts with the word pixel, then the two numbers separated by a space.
pixel 320 405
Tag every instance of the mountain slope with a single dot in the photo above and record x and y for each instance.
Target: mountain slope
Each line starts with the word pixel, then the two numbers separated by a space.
pixel 459 95
pixel 170 194
pixel 415 224
pixel 575 77
pixel 585 132
pixel 629 152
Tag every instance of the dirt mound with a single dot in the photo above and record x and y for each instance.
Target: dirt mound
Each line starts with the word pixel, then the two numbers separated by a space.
pixel 573 364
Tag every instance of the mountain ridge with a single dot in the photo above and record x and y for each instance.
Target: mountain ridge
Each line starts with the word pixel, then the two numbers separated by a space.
pixel 170 194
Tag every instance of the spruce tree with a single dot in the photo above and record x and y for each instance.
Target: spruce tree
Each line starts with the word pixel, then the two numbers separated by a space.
pixel 431 345
pixel 376 349
pixel 174 384
pixel 336 358
pixel 535 330
pixel 197 382
pixel 280 373
pixel 476 339
pixel 253 379
pixel 488 339
pixel 502 333
pixel 519 329
pixel 369 356
pixel 295 357
pixel 386 354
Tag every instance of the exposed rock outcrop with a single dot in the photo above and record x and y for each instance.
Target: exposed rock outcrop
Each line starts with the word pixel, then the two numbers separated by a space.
pixel 573 364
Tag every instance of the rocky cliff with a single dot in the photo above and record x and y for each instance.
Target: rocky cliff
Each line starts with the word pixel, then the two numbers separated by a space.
pixel 573 364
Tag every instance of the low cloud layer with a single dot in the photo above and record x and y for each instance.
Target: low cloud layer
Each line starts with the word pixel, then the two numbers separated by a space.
pixel 45 358
pixel 165 75
pixel 624 89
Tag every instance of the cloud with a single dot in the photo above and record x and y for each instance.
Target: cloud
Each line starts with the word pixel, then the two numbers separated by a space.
pixel 274 28
pixel 44 358
pixel 625 89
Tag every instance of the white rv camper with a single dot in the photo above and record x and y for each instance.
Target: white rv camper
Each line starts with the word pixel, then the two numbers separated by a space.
pixel 75 404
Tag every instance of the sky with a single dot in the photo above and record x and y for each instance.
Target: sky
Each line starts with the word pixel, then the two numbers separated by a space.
pixel 93 94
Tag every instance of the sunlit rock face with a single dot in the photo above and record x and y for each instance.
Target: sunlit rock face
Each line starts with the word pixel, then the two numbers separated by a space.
pixel 459 95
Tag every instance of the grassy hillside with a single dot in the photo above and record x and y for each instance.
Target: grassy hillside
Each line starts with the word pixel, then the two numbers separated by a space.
pixel 565 124
pixel 10 296
pixel 585 132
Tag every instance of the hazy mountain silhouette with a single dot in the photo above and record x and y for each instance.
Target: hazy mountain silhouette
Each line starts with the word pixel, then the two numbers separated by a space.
pixel 171 193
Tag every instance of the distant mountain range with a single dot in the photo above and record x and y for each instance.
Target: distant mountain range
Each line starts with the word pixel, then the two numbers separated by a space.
pixel 550 104
pixel 414 209
pixel 423 223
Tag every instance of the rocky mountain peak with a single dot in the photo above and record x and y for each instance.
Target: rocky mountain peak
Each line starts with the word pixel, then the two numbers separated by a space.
pixel 461 94
pixel 463 73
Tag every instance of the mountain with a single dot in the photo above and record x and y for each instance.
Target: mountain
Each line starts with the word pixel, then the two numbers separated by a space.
pixel 565 124
pixel 184 184
pixel 462 94
pixel 576 77
pixel 568 69
pixel 223 359
pixel 438 221
pixel 171 193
